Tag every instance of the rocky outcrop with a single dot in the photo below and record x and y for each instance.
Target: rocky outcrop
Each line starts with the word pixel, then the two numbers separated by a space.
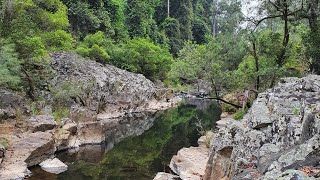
pixel 54 166
pixel 277 138
pixel 100 88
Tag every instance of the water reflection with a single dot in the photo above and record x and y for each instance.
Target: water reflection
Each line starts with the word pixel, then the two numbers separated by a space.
pixel 141 157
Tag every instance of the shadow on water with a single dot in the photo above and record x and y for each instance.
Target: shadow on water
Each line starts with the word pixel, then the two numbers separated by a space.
pixel 140 157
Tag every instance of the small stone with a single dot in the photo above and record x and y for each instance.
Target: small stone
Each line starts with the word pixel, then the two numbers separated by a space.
pixel 54 166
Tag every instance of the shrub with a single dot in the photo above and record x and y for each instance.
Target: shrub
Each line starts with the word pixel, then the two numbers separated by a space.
pixel 9 66
pixel 58 40
pixel 140 55
pixel 60 112
pixel 239 114
pixel 95 47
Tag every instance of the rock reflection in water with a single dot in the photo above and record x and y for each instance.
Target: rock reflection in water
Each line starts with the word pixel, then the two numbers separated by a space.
pixel 142 145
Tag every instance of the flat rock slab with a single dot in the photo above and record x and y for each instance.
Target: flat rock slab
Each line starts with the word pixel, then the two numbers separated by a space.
pixel 41 123
pixel 54 166
pixel 165 176
pixel 27 150
pixel 190 163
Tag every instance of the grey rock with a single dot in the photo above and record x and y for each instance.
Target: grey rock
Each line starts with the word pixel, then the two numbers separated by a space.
pixel 279 133
pixel 287 175
pixel 11 104
pixel 107 88
pixel 41 123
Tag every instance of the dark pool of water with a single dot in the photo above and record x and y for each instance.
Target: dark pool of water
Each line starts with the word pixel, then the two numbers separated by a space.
pixel 139 157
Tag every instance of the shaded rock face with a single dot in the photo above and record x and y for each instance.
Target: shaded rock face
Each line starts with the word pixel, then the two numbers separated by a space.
pixel 10 103
pixel 107 88
pixel 279 133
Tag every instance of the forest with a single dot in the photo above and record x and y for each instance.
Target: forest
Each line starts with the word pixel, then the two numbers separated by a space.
pixel 231 44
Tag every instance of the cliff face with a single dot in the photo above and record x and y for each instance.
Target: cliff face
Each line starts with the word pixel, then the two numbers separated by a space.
pixel 278 138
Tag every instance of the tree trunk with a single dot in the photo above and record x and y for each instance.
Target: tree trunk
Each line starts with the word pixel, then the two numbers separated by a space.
pixel 168 8
pixel 214 18
pixel 30 90
pixel 256 59
pixel 313 15
pixel 286 35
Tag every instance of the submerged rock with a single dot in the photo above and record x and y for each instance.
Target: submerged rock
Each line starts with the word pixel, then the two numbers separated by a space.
pixel 54 166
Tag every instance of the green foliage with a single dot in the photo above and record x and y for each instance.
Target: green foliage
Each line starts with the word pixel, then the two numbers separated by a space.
pixel 58 40
pixel 34 109
pixel 239 114
pixel 171 27
pixel 4 142
pixel 196 62
pixel 86 18
pixel 9 66
pixel 139 17
pixel 95 47
pixel 60 112
pixel 31 47
pixel 116 9
pixel 69 91
pixel 140 55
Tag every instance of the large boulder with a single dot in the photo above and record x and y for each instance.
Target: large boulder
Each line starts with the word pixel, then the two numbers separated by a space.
pixel 279 133
pixel 104 88
pixel 190 163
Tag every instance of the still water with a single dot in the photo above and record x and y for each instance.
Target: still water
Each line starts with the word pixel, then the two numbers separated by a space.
pixel 139 157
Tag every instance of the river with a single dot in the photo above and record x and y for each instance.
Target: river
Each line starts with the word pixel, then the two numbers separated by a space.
pixel 139 157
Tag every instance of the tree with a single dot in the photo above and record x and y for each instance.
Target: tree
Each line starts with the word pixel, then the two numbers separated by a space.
pixel 87 18
pixel 142 56
pixel 312 41
pixel 95 47
pixel 171 27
